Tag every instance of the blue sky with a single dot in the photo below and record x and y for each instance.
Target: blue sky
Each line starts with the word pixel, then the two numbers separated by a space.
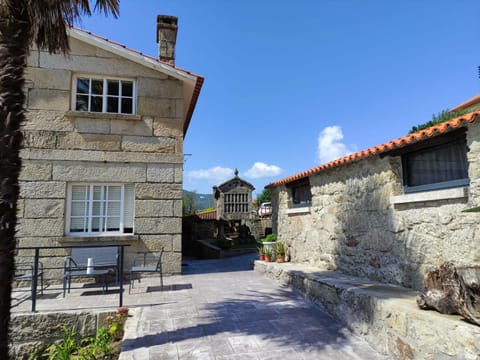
pixel 291 84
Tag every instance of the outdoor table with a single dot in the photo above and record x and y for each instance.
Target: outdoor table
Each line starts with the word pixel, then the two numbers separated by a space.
pixel 97 273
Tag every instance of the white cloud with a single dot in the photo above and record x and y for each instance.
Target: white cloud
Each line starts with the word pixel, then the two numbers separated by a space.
pixel 262 170
pixel 216 173
pixel 330 146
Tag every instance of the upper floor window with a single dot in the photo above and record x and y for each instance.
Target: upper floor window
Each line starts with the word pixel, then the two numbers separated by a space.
pixel 440 165
pixel 100 209
pixel 300 193
pixel 104 95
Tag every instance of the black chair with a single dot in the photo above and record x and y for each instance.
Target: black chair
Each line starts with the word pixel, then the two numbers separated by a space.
pixel 24 272
pixel 150 264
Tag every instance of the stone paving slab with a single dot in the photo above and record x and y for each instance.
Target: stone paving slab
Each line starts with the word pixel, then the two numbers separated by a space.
pixel 220 309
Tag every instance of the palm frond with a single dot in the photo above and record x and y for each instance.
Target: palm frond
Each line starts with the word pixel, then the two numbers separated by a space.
pixel 48 20
pixel 107 6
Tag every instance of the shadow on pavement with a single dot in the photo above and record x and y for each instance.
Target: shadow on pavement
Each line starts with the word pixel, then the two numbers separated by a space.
pixel 172 287
pixel 280 318
pixel 241 316
pixel 231 264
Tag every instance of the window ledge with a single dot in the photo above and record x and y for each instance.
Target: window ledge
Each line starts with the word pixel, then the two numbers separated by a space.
pixel 299 210
pixel 100 238
pixel 101 116
pixel 436 195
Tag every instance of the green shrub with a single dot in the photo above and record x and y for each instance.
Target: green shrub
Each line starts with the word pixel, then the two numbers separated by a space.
pixel 97 346
pixel 65 348
pixel 90 348
pixel 439 118
pixel 269 238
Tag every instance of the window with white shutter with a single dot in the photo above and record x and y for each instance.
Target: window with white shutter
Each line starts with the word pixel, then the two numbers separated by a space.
pixel 97 209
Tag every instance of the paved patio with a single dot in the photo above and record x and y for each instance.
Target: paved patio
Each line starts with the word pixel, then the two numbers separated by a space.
pixel 218 309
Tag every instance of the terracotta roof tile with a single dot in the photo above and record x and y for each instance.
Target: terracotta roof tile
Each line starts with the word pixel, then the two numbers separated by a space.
pixel 383 148
pixel 466 104
pixel 208 215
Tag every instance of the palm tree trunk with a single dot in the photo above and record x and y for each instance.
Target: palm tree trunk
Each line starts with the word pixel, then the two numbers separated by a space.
pixel 13 52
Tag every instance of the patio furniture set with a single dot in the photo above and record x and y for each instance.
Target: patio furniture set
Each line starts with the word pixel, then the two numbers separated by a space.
pixel 97 262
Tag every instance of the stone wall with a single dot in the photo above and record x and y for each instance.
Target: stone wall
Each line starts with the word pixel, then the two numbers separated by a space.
pixel 387 316
pixel 48 328
pixel 63 146
pixel 361 223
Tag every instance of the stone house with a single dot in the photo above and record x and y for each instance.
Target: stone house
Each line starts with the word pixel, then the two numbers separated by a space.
pixel 390 213
pixel 103 156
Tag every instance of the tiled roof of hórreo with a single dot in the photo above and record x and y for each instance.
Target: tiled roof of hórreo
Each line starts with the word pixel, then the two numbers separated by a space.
pixel 399 143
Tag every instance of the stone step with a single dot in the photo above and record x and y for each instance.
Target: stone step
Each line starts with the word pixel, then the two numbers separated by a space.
pixel 387 316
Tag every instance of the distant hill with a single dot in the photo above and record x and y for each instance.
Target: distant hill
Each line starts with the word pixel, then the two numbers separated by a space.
pixel 200 201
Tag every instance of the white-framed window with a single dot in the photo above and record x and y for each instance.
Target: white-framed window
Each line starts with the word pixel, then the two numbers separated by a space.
pixel 103 95
pixel 440 165
pixel 100 209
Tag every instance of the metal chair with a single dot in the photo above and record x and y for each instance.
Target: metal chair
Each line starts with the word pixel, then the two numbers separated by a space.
pixel 150 264
pixel 26 272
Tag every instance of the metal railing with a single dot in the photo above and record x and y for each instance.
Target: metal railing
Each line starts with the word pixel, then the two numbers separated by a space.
pixel 36 261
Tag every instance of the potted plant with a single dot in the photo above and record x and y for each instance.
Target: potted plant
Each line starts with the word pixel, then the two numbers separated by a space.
pixel 269 242
pixel 268 254
pixel 261 252
pixel 280 252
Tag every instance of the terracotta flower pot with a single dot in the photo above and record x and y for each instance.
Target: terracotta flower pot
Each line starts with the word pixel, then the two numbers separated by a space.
pixel 268 258
pixel 280 258
pixel 261 257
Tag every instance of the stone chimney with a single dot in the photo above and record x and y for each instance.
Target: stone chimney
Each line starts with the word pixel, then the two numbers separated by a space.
pixel 167 37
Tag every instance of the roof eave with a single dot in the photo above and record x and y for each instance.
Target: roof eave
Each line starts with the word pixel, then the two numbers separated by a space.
pixel 192 82
pixel 466 104
pixel 192 103
pixel 130 54
pixel 382 149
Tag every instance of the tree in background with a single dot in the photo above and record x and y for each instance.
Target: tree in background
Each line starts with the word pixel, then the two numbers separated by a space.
pixel 22 23
pixel 188 202
pixel 442 116
pixel 264 196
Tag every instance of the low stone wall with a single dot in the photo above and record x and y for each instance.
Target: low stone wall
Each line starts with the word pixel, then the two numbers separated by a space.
pixel 385 315
pixel 30 333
